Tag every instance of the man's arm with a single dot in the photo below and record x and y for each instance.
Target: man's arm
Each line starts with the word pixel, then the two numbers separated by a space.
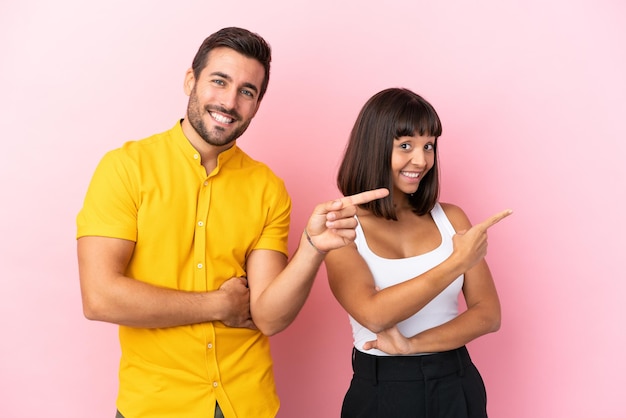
pixel 108 295
pixel 279 289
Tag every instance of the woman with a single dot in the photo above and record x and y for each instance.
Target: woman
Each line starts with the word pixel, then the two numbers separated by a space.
pixel 401 278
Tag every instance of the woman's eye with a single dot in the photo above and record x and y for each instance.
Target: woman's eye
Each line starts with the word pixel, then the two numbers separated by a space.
pixel 405 146
pixel 429 147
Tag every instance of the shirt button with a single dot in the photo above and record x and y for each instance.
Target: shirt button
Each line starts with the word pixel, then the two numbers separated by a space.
pixel 199 265
pixel 209 345
pixel 214 384
pixel 200 223
pixel 196 156
pixel 206 183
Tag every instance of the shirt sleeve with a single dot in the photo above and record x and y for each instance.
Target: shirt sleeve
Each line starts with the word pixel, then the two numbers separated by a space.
pixel 275 233
pixel 112 200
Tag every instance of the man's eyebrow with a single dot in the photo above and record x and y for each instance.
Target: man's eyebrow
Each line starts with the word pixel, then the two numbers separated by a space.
pixel 222 75
pixel 229 78
pixel 251 87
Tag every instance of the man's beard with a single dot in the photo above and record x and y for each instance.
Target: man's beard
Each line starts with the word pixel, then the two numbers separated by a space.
pixel 216 137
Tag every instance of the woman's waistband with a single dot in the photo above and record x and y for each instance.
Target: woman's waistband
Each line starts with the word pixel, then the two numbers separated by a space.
pixel 406 368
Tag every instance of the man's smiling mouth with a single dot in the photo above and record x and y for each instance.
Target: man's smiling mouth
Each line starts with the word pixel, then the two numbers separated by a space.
pixel 221 118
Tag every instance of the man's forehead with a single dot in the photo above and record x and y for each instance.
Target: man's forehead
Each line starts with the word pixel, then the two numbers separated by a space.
pixel 228 60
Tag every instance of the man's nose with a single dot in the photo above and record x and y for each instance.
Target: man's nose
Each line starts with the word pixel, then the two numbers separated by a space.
pixel 228 99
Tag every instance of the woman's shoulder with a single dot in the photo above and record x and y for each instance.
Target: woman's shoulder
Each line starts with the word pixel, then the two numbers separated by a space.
pixel 364 213
pixel 456 215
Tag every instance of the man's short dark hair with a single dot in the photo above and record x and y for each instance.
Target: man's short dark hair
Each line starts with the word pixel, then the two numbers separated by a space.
pixel 241 40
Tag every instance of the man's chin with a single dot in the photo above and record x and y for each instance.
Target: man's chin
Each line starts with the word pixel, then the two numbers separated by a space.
pixel 219 136
pixel 219 139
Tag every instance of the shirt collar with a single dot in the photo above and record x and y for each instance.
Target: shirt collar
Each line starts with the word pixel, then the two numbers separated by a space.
pixel 179 138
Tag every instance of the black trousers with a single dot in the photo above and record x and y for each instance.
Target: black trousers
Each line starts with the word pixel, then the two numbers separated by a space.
pixel 441 385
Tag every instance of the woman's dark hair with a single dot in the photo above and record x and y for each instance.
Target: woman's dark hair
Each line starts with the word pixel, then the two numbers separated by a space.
pixel 366 165
pixel 241 40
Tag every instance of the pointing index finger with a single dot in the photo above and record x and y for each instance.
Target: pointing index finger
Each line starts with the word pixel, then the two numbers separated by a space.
pixel 494 219
pixel 364 197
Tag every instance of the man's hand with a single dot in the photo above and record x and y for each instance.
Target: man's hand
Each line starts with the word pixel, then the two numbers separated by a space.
pixel 237 297
pixel 332 223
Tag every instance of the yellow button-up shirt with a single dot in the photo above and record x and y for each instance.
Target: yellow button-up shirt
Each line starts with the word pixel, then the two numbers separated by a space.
pixel 192 232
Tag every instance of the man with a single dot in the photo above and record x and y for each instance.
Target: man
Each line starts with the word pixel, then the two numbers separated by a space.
pixel 182 241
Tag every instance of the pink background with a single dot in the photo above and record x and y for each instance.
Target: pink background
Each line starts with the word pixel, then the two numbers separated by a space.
pixel 532 96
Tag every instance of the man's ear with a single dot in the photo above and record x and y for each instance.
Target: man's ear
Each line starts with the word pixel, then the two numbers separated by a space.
pixel 190 81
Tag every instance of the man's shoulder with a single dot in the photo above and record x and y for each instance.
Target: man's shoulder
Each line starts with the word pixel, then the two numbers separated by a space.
pixel 155 145
pixel 246 162
pixel 161 138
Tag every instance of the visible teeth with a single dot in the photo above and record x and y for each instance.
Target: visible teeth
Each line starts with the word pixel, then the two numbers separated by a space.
pixel 412 175
pixel 221 118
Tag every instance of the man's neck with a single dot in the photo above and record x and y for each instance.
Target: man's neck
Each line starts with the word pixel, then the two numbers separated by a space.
pixel 208 153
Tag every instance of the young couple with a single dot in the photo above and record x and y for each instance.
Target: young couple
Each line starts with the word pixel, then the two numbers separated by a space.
pixel 182 242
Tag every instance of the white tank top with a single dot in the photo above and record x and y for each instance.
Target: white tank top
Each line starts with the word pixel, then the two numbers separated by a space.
pixel 388 272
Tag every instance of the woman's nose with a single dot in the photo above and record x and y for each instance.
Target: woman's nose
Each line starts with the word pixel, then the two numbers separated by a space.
pixel 418 158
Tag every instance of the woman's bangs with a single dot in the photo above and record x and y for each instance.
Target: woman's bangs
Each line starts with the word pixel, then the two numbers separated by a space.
pixel 418 119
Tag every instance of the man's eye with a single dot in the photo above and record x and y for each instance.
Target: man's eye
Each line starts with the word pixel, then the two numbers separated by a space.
pixel 219 82
pixel 247 93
